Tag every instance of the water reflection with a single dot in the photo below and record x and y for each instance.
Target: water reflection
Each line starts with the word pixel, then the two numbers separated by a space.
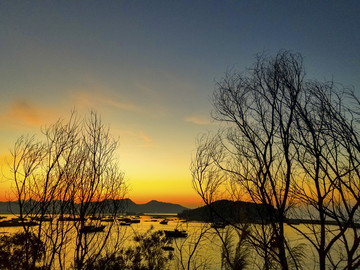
pixel 201 248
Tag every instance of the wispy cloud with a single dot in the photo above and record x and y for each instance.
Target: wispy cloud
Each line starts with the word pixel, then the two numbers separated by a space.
pixel 22 113
pixel 198 120
pixel 95 99
pixel 122 105
pixel 146 138
pixel 135 138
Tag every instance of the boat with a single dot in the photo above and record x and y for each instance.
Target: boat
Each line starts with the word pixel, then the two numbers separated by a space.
pixel 92 229
pixel 17 223
pixel 127 220
pixel 164 222
pixel 134 220
pixel 125 223
pixel 218 225
pixel 43 218
pixel 69 218
pixel 175 233
pixel 108 219
pixel 95 218
pixel 167 248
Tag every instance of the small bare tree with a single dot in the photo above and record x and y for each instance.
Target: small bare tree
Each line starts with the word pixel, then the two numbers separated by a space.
pixel 71 175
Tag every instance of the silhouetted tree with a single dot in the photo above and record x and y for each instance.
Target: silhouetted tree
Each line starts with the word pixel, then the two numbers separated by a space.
pixel 328 152
pixel 254 151
pixel 146 254
pixel 287 141
pixel 193 251
pixel 20 251
pixel 71 174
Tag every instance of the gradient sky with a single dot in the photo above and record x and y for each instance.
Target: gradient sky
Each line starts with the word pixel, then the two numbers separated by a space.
pixel 149 68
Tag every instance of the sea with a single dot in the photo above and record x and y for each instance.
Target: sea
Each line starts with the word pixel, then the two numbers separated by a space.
pixel 202 247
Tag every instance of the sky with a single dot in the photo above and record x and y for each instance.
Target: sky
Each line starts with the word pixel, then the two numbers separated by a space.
pixel 149 69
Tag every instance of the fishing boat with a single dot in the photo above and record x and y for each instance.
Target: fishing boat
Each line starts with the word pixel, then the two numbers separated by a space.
pixel 167 248
pixel 135 220
pixel 164 222
pixel 92 229
pixel 125 223
pixel 218 225
pixel 175 233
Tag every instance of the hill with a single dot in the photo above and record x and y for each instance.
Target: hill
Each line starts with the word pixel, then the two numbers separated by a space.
pixel 126 205
pixel 231 211
pixel 9 208
pixel 156 207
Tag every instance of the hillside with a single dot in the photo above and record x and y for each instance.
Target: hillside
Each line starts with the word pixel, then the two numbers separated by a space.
pixel 156 207
pixel 232 211
pixel 125 205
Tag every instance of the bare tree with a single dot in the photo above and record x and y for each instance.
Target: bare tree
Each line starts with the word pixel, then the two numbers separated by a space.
pixel 314 149
pixel 327 152
pixel 258 111
pixel 287 142
pixel 63 181
pixel 342 167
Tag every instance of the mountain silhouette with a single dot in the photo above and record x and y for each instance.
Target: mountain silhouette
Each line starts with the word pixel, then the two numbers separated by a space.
pixel 230 211
pixel 124 206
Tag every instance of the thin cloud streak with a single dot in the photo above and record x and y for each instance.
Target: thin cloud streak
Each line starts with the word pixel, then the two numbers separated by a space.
pixel 146 138
pixel 22 113
pixel 88 99
pixel 135 138
pixel 198 120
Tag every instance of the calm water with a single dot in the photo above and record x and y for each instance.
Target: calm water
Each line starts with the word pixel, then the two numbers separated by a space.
pixel 208 252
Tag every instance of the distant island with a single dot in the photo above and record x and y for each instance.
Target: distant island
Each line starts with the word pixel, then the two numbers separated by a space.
pixel 226 211
pixel 230 211
pixel 126 206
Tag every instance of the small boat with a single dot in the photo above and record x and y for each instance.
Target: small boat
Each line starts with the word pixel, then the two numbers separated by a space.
pixel 108 219
pixel 127 220
pixel 167 248
pixel 69 218
pixel 43 218
pixel 125 223
pixel 134 220
pixel 164 222
pixel 17 223
pixel 218 225
pixel 175 233
pixel 92 229
pixel 95 218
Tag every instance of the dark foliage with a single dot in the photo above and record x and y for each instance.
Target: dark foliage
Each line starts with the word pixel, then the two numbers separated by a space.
pixel 147 254
pixel 20 251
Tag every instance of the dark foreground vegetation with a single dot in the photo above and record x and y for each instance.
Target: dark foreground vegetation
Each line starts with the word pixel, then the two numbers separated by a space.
pixel 24 251
pixel 128 206
pixel 287 145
